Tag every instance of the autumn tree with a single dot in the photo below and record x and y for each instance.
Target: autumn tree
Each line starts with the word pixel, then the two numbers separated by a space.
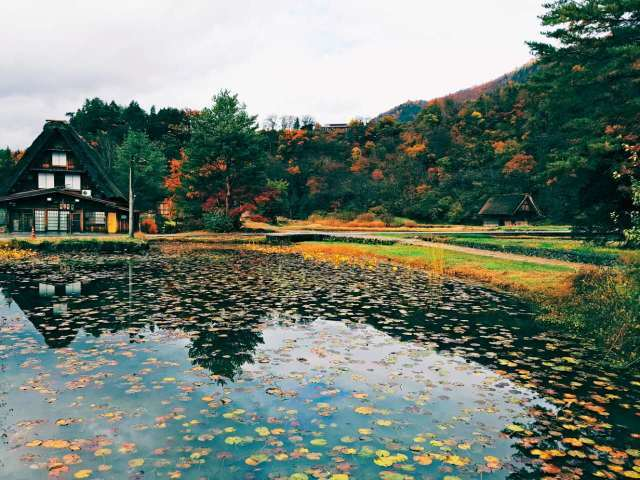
pixel 224 164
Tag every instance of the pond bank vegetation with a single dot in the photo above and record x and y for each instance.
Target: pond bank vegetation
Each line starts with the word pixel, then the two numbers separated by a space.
pixel 603 304
pixel 77 244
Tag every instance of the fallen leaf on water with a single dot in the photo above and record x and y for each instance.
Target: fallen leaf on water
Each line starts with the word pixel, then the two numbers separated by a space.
pixel 136 462
pixel 56 444
pixel 364 410
pixel 127 447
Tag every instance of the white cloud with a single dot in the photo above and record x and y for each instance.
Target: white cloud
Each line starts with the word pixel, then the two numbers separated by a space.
pixel 331 59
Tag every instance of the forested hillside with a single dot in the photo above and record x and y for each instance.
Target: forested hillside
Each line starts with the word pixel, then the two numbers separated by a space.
pixel 407 111
pixel 566 131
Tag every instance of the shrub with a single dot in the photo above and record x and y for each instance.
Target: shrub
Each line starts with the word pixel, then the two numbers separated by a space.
pixel 170 226
pixel 259 218
pixel 346 215
pixel 409 224
pixel 218 221
pixel 148 225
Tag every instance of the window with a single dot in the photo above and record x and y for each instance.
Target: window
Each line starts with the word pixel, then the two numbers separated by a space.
pixel 95 218
pixel 72 182
pixel 40 220
pixel 64 221
pixel 59 159
pixel 52 220
pixel 46 180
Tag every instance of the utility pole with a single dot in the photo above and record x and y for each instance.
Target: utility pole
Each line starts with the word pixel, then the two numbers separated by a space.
pixel 131 215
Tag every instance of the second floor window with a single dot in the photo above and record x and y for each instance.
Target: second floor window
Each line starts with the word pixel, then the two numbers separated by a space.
pixel 46 180
pixel 59 159
pixel 72 182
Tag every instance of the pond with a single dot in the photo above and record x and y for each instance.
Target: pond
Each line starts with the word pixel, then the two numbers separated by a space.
pixel 216 364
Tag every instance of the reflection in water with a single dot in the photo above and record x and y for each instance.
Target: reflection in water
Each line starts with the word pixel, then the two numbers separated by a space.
pixel 439 374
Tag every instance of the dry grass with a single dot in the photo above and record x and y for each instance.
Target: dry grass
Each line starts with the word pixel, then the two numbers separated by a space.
pixel 365 222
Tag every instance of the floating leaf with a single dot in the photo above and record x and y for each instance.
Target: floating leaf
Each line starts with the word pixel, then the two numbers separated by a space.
pixel 514 428
pixel 364 410
pixel 56 444
pixel 136 462
pixel 256 459
pixel 298 476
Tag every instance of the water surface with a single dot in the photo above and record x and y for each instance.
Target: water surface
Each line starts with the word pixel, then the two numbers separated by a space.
pixel 226 364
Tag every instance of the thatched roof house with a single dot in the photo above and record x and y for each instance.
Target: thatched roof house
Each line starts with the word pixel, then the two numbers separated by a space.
pixel 60 186
pixel 511 209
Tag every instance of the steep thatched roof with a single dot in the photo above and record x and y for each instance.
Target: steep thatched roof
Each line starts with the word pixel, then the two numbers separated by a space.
pixel 506 205
pixel 87 155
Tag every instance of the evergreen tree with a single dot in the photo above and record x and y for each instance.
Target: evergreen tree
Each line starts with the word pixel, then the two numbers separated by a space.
pixel 224 165
pixel 587 87
pixel 149 167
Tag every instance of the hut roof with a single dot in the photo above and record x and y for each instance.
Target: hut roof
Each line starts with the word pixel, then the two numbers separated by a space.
pixel 505 205
pixel 89 157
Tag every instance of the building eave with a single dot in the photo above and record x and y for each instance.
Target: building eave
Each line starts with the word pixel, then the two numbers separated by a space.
pixel 70 193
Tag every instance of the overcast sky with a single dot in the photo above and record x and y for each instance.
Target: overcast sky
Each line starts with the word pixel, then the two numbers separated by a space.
pixel 332 59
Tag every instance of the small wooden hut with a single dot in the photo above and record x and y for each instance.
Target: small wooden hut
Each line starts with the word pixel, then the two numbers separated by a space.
pixel 509 210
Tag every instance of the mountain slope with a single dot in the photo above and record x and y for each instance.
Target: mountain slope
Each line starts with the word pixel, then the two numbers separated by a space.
pixel 407 111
